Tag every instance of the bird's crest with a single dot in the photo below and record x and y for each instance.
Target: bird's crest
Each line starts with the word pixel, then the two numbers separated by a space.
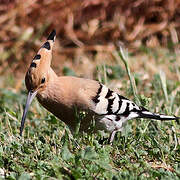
pixel 44 55
pixel 40 64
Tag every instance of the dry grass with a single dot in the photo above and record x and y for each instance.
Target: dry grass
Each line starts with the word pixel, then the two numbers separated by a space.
pixel 86 30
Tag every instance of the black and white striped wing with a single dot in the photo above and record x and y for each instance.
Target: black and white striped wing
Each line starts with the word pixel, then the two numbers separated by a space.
pixel 108 102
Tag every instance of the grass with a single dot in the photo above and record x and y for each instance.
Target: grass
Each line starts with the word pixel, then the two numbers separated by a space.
pixel 144 150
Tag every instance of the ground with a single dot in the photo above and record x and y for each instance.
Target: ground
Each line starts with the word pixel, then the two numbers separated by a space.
pixel 145 149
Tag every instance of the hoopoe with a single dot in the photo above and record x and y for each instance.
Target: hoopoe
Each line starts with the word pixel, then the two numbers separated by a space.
pixel 64 95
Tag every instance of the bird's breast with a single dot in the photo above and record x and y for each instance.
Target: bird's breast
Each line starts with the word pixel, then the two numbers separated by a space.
pixel 67 112
pixel 60 110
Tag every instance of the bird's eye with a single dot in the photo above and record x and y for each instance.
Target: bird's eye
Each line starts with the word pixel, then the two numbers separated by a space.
pixel 43 80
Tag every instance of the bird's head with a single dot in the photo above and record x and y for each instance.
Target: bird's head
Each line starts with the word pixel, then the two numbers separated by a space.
pixel 37 75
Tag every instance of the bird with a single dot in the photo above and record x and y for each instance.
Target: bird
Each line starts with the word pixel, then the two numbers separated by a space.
pixel 64 95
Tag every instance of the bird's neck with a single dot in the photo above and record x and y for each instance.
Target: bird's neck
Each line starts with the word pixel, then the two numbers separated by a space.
pixel 52 75
pixel 46 91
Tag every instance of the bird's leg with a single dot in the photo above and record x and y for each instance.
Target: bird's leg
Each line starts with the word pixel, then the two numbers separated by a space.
pixel 111 137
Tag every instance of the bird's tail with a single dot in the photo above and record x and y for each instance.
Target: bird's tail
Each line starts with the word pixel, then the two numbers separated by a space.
pixel 144 113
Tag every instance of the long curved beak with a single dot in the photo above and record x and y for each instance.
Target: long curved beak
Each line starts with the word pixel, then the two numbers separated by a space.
pixel 30 97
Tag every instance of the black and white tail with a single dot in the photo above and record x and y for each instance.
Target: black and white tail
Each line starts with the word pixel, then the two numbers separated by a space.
pixel 144 113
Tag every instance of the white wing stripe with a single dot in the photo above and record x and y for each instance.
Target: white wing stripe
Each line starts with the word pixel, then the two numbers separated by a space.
pixel 101 107
pixel 104 91
pixel 123 107
pixel 115 105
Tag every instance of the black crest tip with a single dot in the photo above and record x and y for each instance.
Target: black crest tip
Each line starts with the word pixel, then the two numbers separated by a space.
pixel 52 35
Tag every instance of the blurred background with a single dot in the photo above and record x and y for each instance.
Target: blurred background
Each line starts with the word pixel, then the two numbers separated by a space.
pixel 88 33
